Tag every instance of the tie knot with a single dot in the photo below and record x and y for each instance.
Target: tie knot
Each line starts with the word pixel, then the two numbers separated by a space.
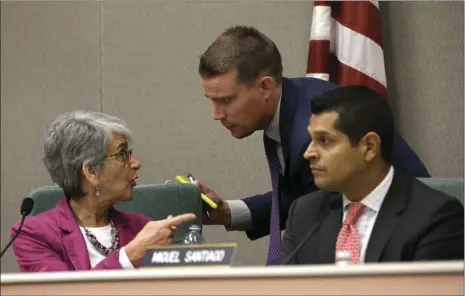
pixel 354 210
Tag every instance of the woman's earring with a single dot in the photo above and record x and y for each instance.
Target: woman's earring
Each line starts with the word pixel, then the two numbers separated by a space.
pixel 97 192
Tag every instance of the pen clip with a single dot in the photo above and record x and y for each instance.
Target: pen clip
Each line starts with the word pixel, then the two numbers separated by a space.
pixel 190 177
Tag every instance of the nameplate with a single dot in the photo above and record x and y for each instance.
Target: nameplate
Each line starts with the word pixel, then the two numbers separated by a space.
pixel 189 255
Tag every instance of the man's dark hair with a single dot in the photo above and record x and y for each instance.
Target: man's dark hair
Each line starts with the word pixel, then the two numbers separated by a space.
pixel 361 110
pixel 245 49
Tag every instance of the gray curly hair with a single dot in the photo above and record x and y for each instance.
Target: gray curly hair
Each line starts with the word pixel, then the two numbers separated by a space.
pixel 77 138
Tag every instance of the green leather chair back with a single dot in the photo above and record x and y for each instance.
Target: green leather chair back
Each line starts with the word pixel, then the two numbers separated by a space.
pixel 155 201
pixel 450 186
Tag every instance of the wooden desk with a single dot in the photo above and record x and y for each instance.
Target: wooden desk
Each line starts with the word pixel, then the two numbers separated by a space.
pixel 438 278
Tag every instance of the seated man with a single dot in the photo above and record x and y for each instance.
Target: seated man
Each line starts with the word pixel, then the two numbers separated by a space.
pixel 366 206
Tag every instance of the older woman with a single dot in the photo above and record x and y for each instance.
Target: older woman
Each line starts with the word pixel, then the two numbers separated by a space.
pixel 87 154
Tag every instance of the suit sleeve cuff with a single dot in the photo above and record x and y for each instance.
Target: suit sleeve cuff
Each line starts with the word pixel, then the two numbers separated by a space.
pixel 241 218
pixel 124 260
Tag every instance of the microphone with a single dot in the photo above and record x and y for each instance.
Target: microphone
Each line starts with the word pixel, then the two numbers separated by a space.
pixel 26 208
pixel 332 203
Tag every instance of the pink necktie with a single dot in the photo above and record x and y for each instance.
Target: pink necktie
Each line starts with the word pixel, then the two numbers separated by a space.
pixel 349 238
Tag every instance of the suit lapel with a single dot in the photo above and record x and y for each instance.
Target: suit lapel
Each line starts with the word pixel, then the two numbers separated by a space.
pixel 73 241
pixel 286 119
pixel 389 215
pixel 124 231
pixel 329 230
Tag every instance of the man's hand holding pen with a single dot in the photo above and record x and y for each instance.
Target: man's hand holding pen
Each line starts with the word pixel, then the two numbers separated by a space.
pixel 220 215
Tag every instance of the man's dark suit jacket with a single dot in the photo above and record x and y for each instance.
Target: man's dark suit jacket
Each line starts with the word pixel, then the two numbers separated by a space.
pixel 415 222
pixel 295 112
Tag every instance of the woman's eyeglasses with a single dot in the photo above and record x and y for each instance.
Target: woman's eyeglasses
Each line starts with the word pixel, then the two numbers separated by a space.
pixel 124 155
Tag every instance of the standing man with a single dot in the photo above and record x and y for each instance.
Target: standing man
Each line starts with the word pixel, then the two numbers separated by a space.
pixel 241 73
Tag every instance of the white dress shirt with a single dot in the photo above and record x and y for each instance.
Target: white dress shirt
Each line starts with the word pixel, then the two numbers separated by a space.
pixel 241 218
pixel 372 202
pixel 103 235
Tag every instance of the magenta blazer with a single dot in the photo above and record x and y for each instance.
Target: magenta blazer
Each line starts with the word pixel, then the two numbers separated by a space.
pixel 52 240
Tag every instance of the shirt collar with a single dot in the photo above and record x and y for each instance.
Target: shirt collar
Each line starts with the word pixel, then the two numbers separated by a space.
pixel 375 198
pixel 273 129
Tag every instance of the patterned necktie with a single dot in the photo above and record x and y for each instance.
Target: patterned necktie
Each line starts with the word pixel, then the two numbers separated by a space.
pixel 275 229
pixel 349 238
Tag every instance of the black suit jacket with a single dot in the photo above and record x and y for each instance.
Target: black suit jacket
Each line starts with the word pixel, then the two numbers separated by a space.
pixel 415 222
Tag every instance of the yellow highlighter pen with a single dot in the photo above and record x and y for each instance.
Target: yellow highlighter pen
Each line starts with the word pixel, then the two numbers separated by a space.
pixel 191 179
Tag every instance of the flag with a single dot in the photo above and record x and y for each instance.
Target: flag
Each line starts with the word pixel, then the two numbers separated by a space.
pixel 345 45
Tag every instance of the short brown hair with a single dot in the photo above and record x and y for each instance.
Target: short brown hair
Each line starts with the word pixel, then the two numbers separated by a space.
pixel 245 49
